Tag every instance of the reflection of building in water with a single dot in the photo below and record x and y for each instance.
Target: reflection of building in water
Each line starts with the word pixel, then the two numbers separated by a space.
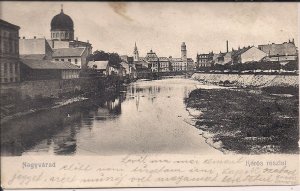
pixel 114 106
pixel 40 128
pixel 137 102
pixel 109 109
pixel 65 143
pixel 153 90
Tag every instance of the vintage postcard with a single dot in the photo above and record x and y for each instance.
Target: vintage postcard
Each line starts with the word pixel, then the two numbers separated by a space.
pixel 148 94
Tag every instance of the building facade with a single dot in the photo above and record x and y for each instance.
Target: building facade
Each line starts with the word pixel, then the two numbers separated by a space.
pixel 204 60
pixel 35 46
pixel 32 70
pixel 165 64
pixel 282 53
pixel 247 54
pixel 77 56
pixel 9 52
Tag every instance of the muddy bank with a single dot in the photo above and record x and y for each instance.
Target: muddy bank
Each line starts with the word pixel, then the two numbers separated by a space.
pixel 246 121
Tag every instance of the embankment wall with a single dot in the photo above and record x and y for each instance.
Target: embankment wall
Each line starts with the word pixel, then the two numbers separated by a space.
pixel 249 79
pixel 51 88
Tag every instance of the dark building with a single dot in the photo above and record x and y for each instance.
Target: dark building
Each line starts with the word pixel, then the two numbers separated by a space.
pixel 9 52
pixel 204 60
pixel 62 27
pixel 33 69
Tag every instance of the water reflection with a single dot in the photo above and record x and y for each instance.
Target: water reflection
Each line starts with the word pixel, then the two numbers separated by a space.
pixel 54 131
pixel 147 117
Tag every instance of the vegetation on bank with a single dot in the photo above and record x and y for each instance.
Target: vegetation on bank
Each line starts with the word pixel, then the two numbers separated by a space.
pixel 248 121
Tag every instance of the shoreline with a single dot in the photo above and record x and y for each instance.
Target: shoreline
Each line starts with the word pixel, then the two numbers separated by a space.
pixel 207 137
pixel 223 130
pixel 58 104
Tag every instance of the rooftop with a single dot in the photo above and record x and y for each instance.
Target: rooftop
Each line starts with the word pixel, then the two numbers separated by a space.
pixel 8 25
pixel 100 65
pixel 68 52
pixel 49 64
pixel 33 56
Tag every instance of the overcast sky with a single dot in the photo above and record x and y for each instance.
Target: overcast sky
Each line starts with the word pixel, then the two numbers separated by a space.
pixel 115 27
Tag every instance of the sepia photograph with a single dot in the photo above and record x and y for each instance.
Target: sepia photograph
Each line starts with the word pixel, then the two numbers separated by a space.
pixel 148 94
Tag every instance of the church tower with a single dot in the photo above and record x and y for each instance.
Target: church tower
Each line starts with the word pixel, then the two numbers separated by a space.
pixel 135 53
pixel 183 52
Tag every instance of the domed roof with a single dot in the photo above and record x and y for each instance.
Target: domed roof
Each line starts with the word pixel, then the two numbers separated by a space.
pixel 62 22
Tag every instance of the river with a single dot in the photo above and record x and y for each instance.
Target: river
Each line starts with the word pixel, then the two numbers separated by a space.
pixel 147 117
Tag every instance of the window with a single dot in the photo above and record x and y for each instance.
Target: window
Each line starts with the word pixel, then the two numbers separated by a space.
pixel 16 68
pixel 62 59
pixel 11 68
pixel 5 68
pixel 11 79
pixel 69 60
pixel 56 59
pixel 75 61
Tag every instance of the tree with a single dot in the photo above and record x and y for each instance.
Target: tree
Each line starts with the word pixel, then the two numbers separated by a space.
pixel 100 55
pixel 114 59
pixel 290 66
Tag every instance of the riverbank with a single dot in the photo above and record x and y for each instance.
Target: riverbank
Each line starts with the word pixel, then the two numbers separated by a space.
pixel 50 104
pixel 17 101
pixel 248 80
pixel 247 121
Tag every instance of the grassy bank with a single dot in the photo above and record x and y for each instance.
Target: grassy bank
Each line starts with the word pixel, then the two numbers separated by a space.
pixel 247 121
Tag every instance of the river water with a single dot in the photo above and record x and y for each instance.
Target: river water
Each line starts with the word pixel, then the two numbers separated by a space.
pixel 147 117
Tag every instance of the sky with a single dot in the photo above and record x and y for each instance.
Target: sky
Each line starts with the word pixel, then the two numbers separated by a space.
pixel 162 27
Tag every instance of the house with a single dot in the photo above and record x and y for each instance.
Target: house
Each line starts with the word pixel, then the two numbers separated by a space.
pixel 133 72
pixel 130 70
pixel 152 59
pixel 164 64
pixel 282 53
pixel 9 52
pixel 102 67
pixel 34 69
pixel 77 56
pixel 204 60
pixel 247 54
pixel 190 64
pixel 142 69
pixel 122 71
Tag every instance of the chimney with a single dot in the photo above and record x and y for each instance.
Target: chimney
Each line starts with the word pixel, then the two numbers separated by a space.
pixel 87 41
pixel 34 37
pixel 226 45
pixel 23 37
pixel 76 38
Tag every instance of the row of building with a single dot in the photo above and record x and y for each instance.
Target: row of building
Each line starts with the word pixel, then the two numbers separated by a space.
pixel 152 63
pixel 60 57
pixel 282 53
